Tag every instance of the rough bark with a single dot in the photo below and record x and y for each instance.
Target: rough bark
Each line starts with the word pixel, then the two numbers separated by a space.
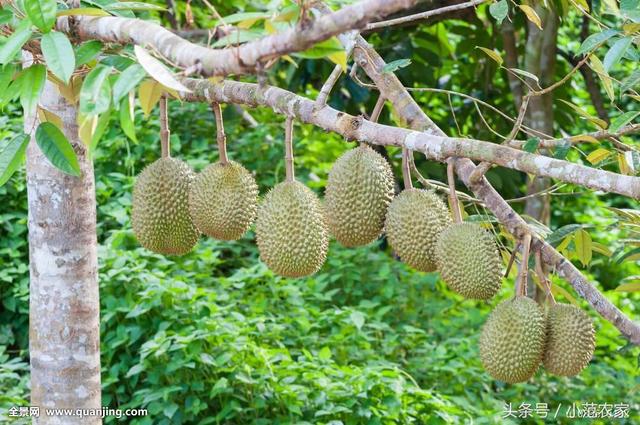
pixel 238 60
pixel 64 322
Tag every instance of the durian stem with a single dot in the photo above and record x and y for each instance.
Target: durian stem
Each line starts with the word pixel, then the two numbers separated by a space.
pixel 406 168
pixel 165 133
pixel 543 278
pixel 453 198
pixel 221 137
pixel 521 287
pixel 512 259
pixel 377 109
pixel 288 146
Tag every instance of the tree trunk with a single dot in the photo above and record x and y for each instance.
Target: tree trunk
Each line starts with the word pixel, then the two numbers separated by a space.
pixel 64 308
pixel 540 59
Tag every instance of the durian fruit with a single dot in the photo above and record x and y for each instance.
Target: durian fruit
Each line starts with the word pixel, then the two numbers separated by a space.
pixel 513 339
pixel 291 230
pixel 415 219
pixel 570 340
pixel 359 190
pixel 223 200
pixel 468 261
pixel 160 215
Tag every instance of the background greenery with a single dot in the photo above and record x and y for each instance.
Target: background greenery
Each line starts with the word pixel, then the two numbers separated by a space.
pixel 214 337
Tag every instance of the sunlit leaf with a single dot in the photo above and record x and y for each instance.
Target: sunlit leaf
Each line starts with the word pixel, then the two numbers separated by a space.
pixel 42 13
pixel 584 138
pixel 58 53
pixel 595 40
pixel 598 156
pixel 531 15
pixel 83 11
pixel 600 123
pixel 10 48
pixel 48 116
pixel 524 74
pixel 495 56
pixel 127 81
pixel 629 287
pixel 616 52
pixel 31 85
pixel 158 71
pixel 133 5
pixel 559 290
pixel 95 95
pixel 150 92
pixel 598 67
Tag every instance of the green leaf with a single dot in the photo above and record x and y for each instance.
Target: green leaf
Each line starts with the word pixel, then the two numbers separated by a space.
pixel 357 318
pixel 531 144
pixel 101 128
pixel 31 84
pixel 395 65
pixel 57 149
pixel 561 151
pixel 324 353
pixel 616 52
pixel 95 95
pixel 58 53
pixel 127 81
pixel 238 37
pixel 244 16
pixel 127 117
pixel 5 16
pixel 525 74
pixel 87 52
pixel 499 10
pixel 629 287
pixel 135 370
pixel 14 43
pixel 595 40
pixel 133 5
pixel 158 71
pixel 322 49
pixel 42 13
pixel 621 120
pixel 11 156
pixel 6 76
pixel 564 231
pixel 634 254
pixel 631 81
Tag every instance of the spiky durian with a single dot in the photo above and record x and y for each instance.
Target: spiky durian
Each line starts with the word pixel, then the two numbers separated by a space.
pixel 512 340
pixel 359 190
pixel 223 200
pixel 160 214
pixel 570 340
pixel 415 219
pixel 291 231
pixel 468 261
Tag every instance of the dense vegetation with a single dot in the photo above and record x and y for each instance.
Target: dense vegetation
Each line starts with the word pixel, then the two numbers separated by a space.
pixel 214 337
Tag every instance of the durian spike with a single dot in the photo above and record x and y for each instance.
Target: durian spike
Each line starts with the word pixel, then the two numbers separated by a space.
pixel 288 147
pixel 521 281
pixel 453 197
pixel 543 278
pixel 377 109
pixel 165 133
pixel 221 137
pixel 407 157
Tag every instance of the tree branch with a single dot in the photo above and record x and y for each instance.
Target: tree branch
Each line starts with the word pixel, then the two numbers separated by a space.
pixel 238 60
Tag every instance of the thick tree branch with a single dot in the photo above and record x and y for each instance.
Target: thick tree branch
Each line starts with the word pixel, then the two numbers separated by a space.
pixel 237 60
pixel 392 88
pixel 434 146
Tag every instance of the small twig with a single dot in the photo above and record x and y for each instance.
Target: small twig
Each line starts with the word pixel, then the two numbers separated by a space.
pixel 321 100
pixel 422 15
pixel 482 168
pixel 377 109
pixel 406 170
pixel 221 138
pixel 165 133
pixel 453 199
pixel 542 277
pixel 512 259
pixel 288 146
pixel 437 185
pixel 521 286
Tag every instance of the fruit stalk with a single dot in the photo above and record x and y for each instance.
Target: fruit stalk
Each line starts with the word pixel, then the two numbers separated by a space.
pixel 406 169
pixel 453 198
pixel 165 133
pixel 288 146
pixel 521 285
pixel 221 137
